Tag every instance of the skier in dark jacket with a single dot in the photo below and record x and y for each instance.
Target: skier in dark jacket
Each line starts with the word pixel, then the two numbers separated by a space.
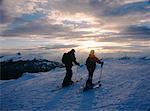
pixel 70 58
pixel 91 65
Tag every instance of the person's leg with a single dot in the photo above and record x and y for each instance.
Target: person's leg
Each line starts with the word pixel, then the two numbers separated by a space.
pixel 89 81
pixel 68 76
pixel 91 75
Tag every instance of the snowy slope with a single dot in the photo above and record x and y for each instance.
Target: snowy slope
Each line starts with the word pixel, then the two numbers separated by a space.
pixel 125 87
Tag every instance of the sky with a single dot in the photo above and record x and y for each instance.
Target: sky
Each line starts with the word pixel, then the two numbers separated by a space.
pixel 51 27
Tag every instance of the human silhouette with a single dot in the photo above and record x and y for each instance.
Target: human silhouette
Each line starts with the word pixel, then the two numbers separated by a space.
pixel 91 65
pixel 68 59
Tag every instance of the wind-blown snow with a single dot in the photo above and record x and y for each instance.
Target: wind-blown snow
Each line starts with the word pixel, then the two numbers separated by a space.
pixel 125 87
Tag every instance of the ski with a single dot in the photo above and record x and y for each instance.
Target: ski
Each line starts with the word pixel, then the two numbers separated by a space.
pixel 94 87
pixel 83 89
pixel 60 87
pixel 97 85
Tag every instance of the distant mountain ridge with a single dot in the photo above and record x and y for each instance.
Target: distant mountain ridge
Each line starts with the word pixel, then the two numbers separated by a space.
pixel 14 69
pixel 13 66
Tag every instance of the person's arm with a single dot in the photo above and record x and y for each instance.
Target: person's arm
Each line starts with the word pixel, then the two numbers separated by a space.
pixel 99 61
pixel 74 60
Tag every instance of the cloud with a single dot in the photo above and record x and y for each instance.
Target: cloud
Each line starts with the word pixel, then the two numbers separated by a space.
pixel 4 16
pixel 105 15
pixel 137 30
pixel 50 47
pixel 35 28
pixel 78 20
pixel 58 46
pixel 130 8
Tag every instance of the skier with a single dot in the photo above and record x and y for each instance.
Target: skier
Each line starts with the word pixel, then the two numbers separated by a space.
pixel 68 59
pixel 91 65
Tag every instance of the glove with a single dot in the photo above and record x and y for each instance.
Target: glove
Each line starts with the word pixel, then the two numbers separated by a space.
pixel 78 64
pixel 81 65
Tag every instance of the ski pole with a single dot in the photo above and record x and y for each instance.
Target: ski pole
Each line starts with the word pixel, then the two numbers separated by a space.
pixel 79 75
pixel 100 74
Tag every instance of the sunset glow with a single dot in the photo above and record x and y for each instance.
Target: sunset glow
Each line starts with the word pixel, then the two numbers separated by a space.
pixel 55 26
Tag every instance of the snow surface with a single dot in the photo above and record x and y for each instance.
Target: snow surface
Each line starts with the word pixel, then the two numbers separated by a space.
pixel 125 87
pixel 16 57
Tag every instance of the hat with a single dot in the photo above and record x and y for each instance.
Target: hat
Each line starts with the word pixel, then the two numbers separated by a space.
pixel 72 50
pixel 92 52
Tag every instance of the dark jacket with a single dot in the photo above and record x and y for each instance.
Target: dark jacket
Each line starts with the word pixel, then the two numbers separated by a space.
pixel 71 59
pixel 91 62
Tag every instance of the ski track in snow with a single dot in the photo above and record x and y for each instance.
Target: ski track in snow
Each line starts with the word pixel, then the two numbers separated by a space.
pixel 125 87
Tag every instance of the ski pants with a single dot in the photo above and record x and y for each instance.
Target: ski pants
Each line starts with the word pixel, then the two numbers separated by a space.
pixel 91 71
pixel 68 75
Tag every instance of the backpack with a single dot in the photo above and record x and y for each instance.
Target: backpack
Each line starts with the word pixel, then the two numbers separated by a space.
pixel 65 58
